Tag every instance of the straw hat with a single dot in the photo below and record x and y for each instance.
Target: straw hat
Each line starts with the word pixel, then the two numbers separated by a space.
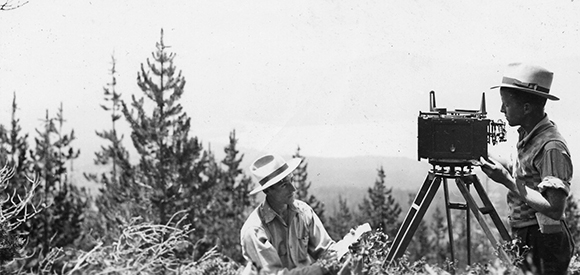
pixel 270 169
pixel 528 78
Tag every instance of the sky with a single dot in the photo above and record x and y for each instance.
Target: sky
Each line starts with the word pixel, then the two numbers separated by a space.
pixel 337 78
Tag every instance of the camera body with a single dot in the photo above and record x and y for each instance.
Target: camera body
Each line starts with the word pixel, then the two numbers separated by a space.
pixel 456 136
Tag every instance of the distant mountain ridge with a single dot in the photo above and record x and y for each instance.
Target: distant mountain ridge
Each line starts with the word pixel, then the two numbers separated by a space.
pixel 351 177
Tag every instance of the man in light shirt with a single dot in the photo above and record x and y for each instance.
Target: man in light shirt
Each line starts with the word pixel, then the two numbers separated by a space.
pixel 283 235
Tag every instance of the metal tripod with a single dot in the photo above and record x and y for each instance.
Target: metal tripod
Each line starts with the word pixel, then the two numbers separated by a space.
pixel 463 174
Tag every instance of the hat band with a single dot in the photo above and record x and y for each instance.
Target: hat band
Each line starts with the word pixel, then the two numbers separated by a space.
pixel 531 86
pixel 274 174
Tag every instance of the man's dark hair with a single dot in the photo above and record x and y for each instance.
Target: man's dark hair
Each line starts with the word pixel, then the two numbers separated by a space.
pixel 524 97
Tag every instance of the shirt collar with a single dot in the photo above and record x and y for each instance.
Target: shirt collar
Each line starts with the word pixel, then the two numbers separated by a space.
pixel 268 214
pixel 525 137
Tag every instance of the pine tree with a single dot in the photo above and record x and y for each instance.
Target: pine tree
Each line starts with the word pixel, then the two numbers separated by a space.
pixel 237 184
pixel 341 221
pixel 14 152
pixel 172 164
pixel 440 239
pixel 380 208
pixel 120 198
pixel 421 246
pixel 59 225
pixel 300 180
pixel 15 189
pixel 13 147
pixel 459 219
pixel 231 203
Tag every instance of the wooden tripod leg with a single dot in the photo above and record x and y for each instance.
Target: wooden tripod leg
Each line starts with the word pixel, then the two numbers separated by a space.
pixel 449 221
pixel 413 218
pixel 489 209
pixel 462 185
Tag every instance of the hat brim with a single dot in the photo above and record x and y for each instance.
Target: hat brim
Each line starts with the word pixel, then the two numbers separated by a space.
pixel 292 165
pixel 542 94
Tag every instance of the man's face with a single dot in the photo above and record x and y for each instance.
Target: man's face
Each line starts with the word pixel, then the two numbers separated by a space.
pixel 282 192
pixel 513 110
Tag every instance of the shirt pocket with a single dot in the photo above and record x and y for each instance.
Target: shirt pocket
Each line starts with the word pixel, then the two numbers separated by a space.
pixel 302 250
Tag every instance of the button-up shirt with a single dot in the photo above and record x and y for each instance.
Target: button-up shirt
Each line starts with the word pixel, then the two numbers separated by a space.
pixel 543 162
pixel 277 247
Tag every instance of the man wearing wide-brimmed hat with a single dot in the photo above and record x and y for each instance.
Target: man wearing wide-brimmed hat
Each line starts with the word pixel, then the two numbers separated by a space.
pixel 539 178
pixel 282 235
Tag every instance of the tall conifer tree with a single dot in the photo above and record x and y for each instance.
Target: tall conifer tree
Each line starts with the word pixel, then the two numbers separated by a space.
pixel 171 164
pixel 14 152
pixel 341 221
pixel 300 180
pixel 120 199
pixel 440 239
pixel 59 225
pixel 14 145
pixel 380 208
pixel 15 165
pixel 231 202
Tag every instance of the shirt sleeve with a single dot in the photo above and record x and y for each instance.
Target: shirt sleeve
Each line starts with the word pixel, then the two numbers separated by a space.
pixel 319 241
pixel 258 249
pixel 555 167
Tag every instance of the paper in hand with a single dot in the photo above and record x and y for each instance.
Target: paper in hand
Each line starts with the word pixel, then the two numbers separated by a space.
pixel 341 247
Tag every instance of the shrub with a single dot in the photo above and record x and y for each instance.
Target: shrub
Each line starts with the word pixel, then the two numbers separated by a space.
pixel 14 210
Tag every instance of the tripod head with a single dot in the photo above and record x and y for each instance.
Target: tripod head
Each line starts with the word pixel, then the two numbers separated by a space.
pixel 451 168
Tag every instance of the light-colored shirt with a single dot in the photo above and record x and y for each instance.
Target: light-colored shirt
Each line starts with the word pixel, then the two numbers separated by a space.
pixel 543 162
pixel 276 247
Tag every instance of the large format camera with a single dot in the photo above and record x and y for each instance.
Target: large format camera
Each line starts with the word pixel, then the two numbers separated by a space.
pixel 452 141
pixel 459 136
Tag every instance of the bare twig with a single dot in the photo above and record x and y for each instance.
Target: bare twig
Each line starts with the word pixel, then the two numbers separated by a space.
pixel 11 4
pixel 18 205
pixel 83 259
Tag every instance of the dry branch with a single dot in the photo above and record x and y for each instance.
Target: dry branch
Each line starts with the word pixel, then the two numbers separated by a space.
pixel 11 4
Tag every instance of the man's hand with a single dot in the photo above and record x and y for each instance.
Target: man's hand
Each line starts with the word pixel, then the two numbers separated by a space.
pixel 496 171
pixel 352 266
pixel 328 260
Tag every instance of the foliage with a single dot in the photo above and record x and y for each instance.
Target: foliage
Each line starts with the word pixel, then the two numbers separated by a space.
pixel 13 212
pixel 371 250
pixel 14 148
pixel 341 221
pixel 380 208
pixel 440 240
pixel 574 268
pixel 120 199
pixel 60 224
pixel 422 246
pixel 230 204
pixel 300 180
pixel 146 248
pixel 178 210
pixel 171 163
pixel 142 248
pixel 572 213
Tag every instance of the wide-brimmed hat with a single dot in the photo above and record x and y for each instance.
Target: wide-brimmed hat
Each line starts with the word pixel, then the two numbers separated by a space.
pixel 270 169
pixel 528 78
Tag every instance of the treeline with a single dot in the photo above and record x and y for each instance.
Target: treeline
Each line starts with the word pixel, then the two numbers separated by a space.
pixel 175 181
pixel 172 210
